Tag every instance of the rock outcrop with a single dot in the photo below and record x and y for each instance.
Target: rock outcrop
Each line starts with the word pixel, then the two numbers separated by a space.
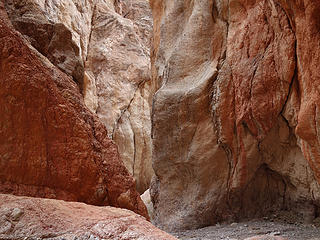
pixel 235 115
pixel 104 46
pixel 51 145
pixel 119 62
pixel 34 218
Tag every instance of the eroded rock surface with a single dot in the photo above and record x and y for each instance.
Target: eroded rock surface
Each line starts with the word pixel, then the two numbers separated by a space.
pixel 119 62
pixel 51 145
pixel 104 46
pixel 23 217
pixel 234 122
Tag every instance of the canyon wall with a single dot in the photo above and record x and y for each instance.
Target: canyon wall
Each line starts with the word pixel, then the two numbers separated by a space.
pixel 104 47
pixel 235 115
pixel 51 145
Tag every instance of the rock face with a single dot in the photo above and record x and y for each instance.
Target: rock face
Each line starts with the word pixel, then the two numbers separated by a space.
pixel 22 217
pixel 51 145
pixel 104 46
pixel 118 61
pixel 235 119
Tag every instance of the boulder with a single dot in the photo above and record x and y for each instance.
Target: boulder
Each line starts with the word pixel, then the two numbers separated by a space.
pixel 35 218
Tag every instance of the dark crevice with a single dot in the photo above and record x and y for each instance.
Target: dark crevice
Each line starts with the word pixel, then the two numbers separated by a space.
pixel 295 75
pixel 221 61
pixel 294 78
pixel 91 30
pixel 134 153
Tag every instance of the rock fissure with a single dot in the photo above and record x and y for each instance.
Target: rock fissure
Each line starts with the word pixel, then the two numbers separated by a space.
pixel 127 107
pixel 90 33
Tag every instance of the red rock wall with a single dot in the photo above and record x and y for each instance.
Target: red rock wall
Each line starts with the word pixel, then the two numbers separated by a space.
pixel 104 46
pixel 306 21
pixel 260 60
pixel 51 145
pixel 235 122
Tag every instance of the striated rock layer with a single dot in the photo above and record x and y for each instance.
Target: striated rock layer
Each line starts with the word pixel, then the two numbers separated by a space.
pixel 104 46
pixel 234 121
pixel 25 218
pixel 51 145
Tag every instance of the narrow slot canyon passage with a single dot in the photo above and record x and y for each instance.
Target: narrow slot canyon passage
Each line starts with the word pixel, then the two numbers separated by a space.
pixel 160 119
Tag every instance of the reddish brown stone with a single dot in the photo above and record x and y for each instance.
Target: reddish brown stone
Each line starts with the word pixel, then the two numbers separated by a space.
pixel 261 63
pixel 104 46
pixel 235 117
pixel 51 145
pixel 306 20
pixel 35 218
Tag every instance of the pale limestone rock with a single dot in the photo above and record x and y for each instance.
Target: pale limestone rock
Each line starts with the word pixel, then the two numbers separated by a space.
pixel 192 170
pixel 60 30
pixel 133 137
pixel 146 198
pixel 90 91
pixel 118 59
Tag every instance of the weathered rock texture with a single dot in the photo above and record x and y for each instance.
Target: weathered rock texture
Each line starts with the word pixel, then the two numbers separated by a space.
pixel 104 46
pixel 265 237
pixel 51 145
pixel 34 218
pixel 146 198
pixel 235 116
pixel 119 62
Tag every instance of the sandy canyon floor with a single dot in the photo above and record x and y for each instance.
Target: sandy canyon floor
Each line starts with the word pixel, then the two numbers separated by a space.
pixel 280 225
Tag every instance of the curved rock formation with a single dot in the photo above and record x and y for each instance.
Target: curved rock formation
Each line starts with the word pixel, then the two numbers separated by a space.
pixel 234 122
pixel 22 217
pixel 104 46
pixel 51 145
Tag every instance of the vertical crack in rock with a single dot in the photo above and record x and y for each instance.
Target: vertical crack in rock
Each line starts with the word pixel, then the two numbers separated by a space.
pixel 295 75
pixel 134 153
pixel 91 30
pixel 116 124
pixel 117 67
pixel 221 62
